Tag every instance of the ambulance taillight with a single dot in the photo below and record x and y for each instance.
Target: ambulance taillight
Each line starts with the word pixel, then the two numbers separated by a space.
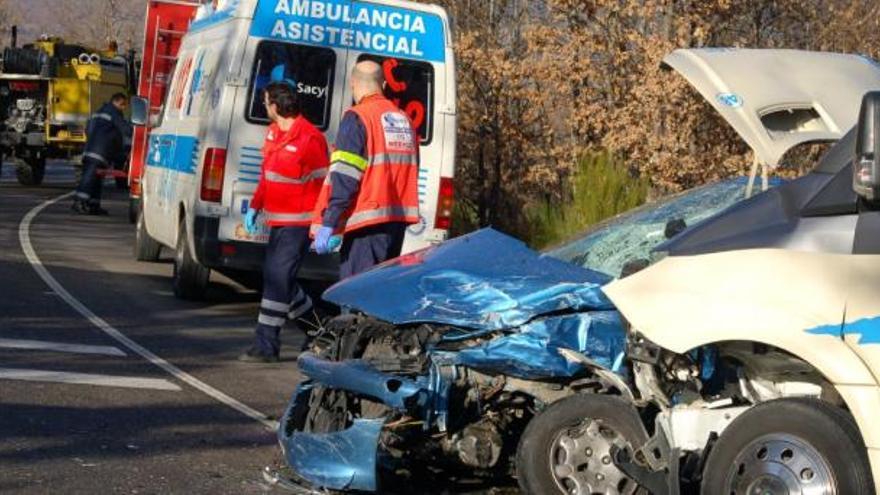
pixel 212 175
pixel 445 204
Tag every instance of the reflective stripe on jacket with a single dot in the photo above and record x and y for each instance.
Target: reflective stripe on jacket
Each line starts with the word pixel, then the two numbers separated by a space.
pixel 388 176
pixel 294 166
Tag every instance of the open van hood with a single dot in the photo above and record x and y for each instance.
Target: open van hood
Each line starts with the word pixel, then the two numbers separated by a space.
pixel 777 99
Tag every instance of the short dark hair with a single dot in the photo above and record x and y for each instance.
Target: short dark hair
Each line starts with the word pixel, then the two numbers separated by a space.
pixel 119 97
pixel 284 96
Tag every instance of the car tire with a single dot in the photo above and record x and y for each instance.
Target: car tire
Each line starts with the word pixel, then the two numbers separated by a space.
pixel 190 279
pixel 31 171
pixel 545 463
pixel 145 247
pixel 798 445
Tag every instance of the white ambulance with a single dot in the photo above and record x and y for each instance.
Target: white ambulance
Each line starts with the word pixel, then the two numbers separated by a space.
pixel 203 159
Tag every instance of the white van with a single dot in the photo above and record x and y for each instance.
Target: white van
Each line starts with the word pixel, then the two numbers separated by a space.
pixel 204 157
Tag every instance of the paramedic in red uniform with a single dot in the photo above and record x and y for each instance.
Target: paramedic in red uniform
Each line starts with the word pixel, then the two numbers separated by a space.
pixel 295 163
pixel 371 194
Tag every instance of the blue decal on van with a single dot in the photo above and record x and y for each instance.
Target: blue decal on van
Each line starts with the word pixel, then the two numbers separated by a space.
pixel 868 330
pixel 179 153
pixel 366 27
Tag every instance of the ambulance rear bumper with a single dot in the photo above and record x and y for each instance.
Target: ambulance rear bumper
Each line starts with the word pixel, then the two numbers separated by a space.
pixel 248 256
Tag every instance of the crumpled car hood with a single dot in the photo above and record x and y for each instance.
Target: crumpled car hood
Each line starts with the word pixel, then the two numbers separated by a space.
pixel 484 280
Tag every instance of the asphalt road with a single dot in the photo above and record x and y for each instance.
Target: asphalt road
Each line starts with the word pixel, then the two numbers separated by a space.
pixel 140 430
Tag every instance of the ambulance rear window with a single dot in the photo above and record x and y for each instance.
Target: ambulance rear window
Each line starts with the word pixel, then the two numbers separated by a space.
pixel 410 85
pixel 310 68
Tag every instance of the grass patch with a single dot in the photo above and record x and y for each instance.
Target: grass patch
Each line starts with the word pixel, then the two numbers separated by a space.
pixel 601 187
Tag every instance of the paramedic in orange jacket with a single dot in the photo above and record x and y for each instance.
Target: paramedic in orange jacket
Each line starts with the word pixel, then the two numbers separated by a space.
pixel 371 194
pixel 295 163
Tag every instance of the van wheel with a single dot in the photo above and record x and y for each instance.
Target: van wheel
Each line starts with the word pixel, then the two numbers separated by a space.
pixel 31 171
pixel 145 247
pixel 795 446
pixel 190 279
pixel 566 448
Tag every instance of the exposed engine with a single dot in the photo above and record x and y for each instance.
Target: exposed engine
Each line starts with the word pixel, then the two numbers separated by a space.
pixel 474 438
pixel 25 113
pixel 22 112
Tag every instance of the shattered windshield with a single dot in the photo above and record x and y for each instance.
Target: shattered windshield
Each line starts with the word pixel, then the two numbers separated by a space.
pixel 630 237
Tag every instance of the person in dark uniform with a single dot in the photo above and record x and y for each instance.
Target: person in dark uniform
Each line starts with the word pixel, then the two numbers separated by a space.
pixel 105 147
pixel 371 194
pixel 295 163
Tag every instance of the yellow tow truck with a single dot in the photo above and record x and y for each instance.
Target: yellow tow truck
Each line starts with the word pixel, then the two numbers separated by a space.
pixel 48 91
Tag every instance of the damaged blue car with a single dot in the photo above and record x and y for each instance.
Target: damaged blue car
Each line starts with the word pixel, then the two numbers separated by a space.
pixel 449 352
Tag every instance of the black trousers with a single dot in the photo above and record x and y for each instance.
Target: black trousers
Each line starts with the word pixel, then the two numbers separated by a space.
pixel 90 185
pixel 367 247
pixel 283 298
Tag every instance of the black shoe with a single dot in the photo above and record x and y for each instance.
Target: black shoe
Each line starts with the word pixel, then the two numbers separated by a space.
pixel 253 355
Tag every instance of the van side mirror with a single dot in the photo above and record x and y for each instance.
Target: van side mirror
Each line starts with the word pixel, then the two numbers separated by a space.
pixel 866 162
pixel 140 110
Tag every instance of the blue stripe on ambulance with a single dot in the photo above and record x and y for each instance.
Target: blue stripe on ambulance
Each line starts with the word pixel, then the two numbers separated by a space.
pixel 361 26
pixel 250 164
pixel 423 184
pixel 178 153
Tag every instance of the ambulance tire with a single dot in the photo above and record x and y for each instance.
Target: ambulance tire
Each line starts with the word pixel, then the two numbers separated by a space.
pixel 190 279
pixel 145 247
pixel 31 171
pixel 793 445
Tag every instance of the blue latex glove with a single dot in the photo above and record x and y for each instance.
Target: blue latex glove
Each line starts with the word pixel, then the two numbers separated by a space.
pixel 250 221
pixel 335 243
pixel 322 240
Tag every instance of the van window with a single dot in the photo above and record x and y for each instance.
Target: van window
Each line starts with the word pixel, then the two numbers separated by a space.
pixel 410 85
pixel 312 70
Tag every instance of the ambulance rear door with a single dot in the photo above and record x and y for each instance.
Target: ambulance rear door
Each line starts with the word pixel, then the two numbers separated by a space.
pixel 316 72
pixel 412 43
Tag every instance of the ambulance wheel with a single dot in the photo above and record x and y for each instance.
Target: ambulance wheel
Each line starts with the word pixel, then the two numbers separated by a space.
pixel 795 446
pixel 145 247
pixel 31 171
pixel 567 448
pixel 190 279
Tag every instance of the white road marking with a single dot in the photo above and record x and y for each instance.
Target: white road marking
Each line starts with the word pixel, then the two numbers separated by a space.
pixel 86 379
pixel 40 345
pixel 27 247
